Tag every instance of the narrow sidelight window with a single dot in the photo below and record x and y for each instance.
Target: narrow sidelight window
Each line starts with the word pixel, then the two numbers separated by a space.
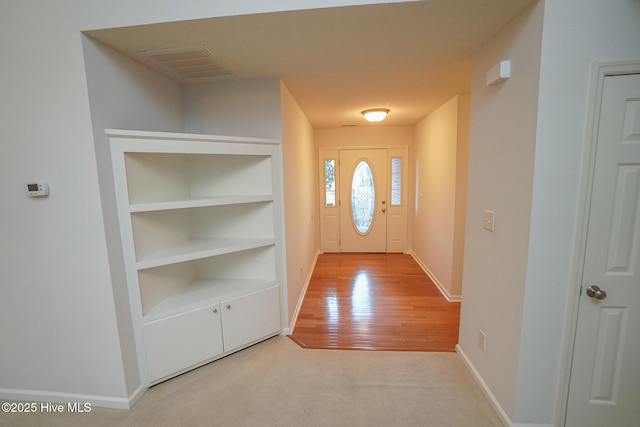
pixel 396 181
pixel 330 182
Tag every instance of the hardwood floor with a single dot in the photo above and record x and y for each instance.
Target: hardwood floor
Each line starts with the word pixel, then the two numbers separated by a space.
pixel 375 302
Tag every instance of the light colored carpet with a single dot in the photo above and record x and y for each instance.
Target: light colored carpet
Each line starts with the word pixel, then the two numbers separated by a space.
pixel 276 383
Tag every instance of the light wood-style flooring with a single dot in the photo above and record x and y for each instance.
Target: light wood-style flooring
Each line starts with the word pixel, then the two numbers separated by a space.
pixel 375 302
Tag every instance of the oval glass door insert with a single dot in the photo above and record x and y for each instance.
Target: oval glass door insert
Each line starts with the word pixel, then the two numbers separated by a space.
pixel 363 197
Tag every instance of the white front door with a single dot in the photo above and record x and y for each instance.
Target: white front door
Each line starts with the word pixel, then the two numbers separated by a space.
pixel 605 377
pixel 363 204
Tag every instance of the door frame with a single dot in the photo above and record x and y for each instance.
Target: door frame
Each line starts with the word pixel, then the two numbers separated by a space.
pixel 599 71
pixel 396 242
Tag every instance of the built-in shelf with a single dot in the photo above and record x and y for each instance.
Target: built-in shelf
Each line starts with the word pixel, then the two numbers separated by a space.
pixel 199 202
pixel 200 248
pixel 201 227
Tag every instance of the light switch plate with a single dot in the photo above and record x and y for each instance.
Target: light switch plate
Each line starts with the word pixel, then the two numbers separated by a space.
pixel 489 220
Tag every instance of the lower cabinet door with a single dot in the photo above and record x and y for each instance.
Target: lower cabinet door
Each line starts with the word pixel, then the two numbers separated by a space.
pixel 250 317
pixel 181 341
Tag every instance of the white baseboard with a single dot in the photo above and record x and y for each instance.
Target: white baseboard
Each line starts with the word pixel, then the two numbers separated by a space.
pixel 294 318
pixel 66 398
pixel 434 279
pixel 136 395
pixel 504 418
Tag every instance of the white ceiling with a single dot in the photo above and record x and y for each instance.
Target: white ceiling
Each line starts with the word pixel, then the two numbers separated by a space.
pixel 408 57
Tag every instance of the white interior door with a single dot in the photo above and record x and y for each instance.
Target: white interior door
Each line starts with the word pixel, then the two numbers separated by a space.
pixel 363 204
pixel 605 377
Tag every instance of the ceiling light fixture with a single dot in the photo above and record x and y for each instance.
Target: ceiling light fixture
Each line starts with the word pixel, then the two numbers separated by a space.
pixel 375 114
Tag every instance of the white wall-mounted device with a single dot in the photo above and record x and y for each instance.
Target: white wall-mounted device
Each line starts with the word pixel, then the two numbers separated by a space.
pixel 499 73
pixel 38 189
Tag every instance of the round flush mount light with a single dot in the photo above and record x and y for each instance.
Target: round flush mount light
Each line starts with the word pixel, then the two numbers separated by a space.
pixel 375 114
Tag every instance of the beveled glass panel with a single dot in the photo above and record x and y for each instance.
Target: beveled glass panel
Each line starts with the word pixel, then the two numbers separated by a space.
pixel 363 197
pixel 330 182
pixel 396 181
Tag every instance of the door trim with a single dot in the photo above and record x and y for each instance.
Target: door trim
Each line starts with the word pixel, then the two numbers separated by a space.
pixel 599 71
pixel 394 245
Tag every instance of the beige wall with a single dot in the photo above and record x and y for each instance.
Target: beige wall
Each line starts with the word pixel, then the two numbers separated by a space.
pixel 440 152
pixel 501 160
pixel 249 108
pixel 300 197
pixel 364 137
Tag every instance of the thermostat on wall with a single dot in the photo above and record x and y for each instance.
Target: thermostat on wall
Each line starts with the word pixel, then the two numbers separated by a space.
pixel 38 189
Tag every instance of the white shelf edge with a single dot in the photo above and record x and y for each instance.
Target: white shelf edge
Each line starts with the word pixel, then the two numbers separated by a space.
pixel 199 202
pixel 140 134
pixel 202 293
pixel 201 248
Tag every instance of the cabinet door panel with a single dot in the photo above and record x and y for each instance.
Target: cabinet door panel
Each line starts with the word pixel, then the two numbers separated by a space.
pixel 251 317
pixel 181 341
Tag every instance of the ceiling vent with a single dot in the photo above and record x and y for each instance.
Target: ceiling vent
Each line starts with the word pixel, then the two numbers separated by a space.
pixel 187 64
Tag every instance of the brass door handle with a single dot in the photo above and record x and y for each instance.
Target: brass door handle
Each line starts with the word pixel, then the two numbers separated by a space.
pixel 595 292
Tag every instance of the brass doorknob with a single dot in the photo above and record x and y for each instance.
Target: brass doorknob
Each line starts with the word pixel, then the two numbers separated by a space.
pixel 595 292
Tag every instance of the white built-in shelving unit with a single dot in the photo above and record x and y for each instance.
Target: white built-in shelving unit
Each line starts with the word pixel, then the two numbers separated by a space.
pixel 200 219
